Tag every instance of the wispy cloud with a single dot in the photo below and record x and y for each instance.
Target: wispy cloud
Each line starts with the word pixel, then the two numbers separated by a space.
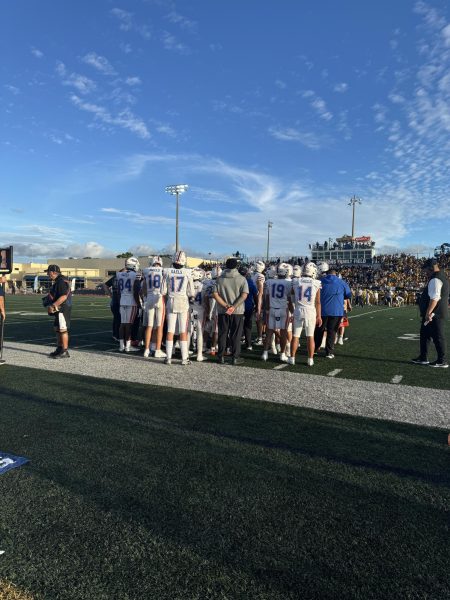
pixel 100 63
pixel 124 119
pixel 170 42
pixel 37 53
pixel 12 89
pixel 318 104
pixel 341 88
pixel 290 134
pixel 132 81
pixel 127 22
pixel 81 83
pixel 185 23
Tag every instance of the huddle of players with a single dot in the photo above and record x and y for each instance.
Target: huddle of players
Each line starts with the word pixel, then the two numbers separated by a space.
pixel 288 302
pixel 179 301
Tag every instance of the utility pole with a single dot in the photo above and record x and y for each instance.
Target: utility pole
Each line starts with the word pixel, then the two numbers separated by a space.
pixel 176 190
pixel 353 202
pixel 269 227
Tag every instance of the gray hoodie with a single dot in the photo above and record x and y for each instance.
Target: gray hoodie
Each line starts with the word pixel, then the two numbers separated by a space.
pixel 230 285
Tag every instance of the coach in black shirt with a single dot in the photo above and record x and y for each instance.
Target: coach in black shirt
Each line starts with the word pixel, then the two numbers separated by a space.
pixel 60 306
pixel 433 305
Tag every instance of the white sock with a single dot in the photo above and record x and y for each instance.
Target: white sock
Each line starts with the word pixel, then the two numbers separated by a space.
pixel 169 348
pixel 128 344
pixel 184 350
pixel 122 344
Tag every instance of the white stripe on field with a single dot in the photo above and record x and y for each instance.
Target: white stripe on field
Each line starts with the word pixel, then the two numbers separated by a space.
pixel 281 366
pixel 334 373
pixel 396 378
pixel 369 313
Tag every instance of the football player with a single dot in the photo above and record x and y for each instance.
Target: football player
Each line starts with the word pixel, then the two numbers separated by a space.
pixel 180 287
pixel 305 304
pixel 128 283
pixel 210 308
pixel 153 292
pixel 277 295
pixel 198 311
pixel 258 280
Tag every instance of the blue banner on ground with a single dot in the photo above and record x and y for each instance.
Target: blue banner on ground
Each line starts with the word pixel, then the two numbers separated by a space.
pixel 9 461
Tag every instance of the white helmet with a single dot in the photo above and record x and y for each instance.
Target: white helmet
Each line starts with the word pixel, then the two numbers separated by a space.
pixel 260 266
pixel 310 270
pixel 216 272
pixel 132 264
pixel 208 275
pixel 197 274
pixel 282 270
pixel 179 258
pixel 156 260
pixel 271 272
pixel 290 269
pixel 297 271
pixel 323 267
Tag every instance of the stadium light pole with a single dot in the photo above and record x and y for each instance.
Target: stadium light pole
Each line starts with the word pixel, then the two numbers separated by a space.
pixel 176 190
pixel 353 202
pixel 269 227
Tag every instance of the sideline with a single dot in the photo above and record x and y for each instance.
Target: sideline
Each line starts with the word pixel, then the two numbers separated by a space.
pixel 402 403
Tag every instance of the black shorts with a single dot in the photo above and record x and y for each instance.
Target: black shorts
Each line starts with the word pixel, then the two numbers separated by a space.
pixel 62 319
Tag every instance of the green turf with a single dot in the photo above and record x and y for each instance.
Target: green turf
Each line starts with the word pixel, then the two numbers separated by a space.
pixel 374 351
pixel 140 492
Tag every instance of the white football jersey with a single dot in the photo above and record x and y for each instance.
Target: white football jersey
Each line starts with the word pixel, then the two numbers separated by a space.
pixel 277 292
pixel 258 279
pixel 198 294
pixel 305 292
pixel 180 287
pixel 155 282
pixel 125 284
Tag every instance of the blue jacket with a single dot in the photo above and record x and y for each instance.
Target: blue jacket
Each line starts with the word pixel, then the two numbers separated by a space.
pixel 250 303
pixel 332 295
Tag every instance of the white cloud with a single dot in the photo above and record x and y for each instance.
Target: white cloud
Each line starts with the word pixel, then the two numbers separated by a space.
pixel 170 42
pixel 290 134
pixel 81 83
pixel 183 22
pixel 280 84
pixel 127 22
pixel 12 88
pixel 132 81
pixel 318 104
pixel 37 53
pixel 340 88
pixel 99 62
pixel 125 119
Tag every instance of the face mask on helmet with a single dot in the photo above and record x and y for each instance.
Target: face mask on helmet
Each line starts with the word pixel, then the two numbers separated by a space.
pixel 260 266
pixel 156 261
pixel 197 274
pixel 310 270
pixel 282 271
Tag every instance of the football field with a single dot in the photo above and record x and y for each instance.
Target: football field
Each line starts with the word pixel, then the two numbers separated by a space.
pixel 148 481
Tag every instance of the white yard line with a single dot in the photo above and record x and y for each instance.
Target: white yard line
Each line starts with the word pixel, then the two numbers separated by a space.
pixel 370 313
pixel 334 373
pixel 281 366
pixel 396 378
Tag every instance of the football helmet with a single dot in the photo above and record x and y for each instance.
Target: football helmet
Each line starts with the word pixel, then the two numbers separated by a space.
pixel 208 275
pixel 271 272
pixel 132 264
pixel 282 270
pixel 297 271
pixel 216 272
pixel 323 267
pixel 260 266
pixel 290 269
pixel 179 258
pixel 197 274
pixel 310 270
pixel 156 261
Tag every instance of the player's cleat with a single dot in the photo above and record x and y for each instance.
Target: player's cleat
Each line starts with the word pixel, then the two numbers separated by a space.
pixel 310 362
pixel 265 355
pixel 185 361
pixel 55 352
pixel 160 354
pixel 237 361
pixel 62 354
pixel 438 364
pixel 340 341
pixel 167 361
pixel 131 349
pixel 291 360
pixel 201 358
pixel 211 351
pixel 146 353
pixel 249 348
pixel 420 361
pixel 329 355
pixel 283 357
pixel 259 342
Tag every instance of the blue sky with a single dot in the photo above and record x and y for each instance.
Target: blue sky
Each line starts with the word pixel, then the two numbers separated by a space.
pixel 268 110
